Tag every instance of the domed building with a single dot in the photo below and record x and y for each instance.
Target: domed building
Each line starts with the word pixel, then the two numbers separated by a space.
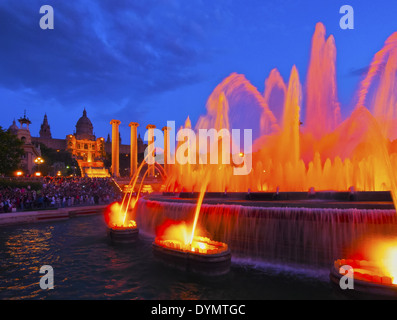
pixel 86 149
pixel 13 128
pixel 84 128
pixel 89 151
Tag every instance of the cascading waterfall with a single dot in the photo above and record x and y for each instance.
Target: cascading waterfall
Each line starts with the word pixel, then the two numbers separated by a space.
pixel 313 236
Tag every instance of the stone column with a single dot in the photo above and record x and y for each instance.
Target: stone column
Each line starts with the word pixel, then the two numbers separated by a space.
pixel 166 147
pixel 115 148
pixel 151 149
pixel 133 148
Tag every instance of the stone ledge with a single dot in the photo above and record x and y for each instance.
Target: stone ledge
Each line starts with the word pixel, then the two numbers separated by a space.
pixel 14 218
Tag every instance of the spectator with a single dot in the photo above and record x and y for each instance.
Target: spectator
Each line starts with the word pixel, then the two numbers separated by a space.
pixel 59 191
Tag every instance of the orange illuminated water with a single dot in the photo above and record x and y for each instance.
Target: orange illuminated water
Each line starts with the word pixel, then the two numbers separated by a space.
pixel 116 218
pixel 302 140
pixel 379 256
pixel 116 214
pixel 177 235
pixel 198 208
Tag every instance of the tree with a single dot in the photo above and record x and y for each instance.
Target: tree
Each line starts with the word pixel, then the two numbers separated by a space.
pixel 53 157
pixel 11 151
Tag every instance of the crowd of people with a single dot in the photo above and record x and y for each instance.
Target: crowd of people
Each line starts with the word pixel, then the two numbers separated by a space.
pixel 59 192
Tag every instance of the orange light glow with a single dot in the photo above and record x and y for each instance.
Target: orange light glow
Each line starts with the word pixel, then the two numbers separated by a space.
pixel 38 174
pixel 177 235
pixel 384 253
pixel 321 151
pixel 19 173
pixel 115 217
pixel 147 188
pixel 378 258
pixel 364 270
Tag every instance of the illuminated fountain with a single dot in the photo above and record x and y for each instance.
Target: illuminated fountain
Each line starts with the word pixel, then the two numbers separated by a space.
pixel 121 229
pixel 295 153
pixel 373 269
pixel 318 183
pixel 175 248
pixel 177 245
pixel 195 253
pixel 119 217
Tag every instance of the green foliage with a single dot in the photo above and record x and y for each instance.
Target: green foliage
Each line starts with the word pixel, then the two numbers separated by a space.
pixel 52 157
pixel 11 152
pixel 18 183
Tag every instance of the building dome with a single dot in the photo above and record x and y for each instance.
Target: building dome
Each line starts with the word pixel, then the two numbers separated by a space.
pixel 13 128
pixel 84 128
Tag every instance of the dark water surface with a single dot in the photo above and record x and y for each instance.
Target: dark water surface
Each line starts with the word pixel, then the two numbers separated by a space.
pixel 87 266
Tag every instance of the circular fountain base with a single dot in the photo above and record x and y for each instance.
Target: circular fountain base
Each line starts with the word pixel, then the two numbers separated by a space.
pixel 364 289
pixel 123 235
pixel 307 231
pixel 205 264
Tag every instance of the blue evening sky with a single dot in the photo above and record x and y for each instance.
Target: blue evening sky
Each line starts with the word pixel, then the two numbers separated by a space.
pixel 150 61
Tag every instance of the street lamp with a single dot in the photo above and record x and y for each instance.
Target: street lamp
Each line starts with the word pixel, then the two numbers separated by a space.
pixel 38 161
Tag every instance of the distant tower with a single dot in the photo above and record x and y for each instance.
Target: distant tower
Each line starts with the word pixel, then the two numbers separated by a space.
pixel 141 146
pixel 31 152
pixel 25 120
pixel 45 131
pixel 23 132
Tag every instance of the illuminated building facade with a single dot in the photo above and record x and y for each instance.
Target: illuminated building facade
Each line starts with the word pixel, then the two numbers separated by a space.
pixel 88 150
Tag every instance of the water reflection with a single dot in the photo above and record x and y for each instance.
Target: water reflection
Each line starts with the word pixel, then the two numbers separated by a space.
pixel 87 266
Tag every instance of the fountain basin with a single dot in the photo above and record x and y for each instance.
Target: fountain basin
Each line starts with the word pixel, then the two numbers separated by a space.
pixel 123 235
pixel 298 232
pixel 213 262
pixel 369 282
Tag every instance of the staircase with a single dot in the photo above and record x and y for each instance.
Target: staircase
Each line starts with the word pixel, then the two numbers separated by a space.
pixel 93 169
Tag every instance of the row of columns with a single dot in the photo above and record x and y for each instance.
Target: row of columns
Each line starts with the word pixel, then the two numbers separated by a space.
pixel 115 147
pixel 134 147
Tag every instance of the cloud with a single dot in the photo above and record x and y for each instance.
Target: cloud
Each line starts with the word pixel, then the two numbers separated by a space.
pixel 103 50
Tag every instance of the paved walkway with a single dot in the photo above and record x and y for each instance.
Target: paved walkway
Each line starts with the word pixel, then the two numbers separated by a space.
pixel 13 218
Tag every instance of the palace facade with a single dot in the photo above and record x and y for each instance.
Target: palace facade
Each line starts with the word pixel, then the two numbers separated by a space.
pixel 88 150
